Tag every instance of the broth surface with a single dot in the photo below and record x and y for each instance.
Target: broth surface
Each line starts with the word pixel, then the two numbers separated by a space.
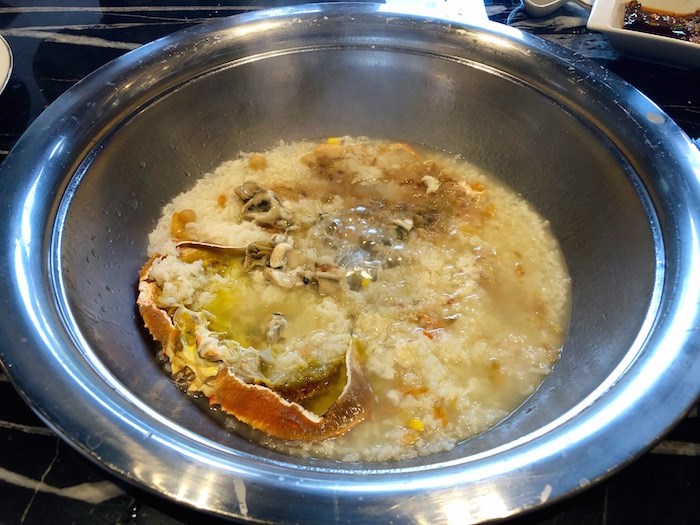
pixel 448 286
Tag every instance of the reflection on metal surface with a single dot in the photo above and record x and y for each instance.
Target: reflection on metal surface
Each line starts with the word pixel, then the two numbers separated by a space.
pixel 498 41
pixel 462 10
pixel 460 510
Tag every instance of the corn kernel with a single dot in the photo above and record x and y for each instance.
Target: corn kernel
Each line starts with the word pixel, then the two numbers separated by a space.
pixel 415 424
pixel 365 282
pixel 333 140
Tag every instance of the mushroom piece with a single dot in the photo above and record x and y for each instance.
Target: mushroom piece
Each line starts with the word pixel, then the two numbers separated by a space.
pixel 256 405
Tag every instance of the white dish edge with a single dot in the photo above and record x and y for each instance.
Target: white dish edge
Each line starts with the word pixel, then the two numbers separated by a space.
pixel 606 17
pixel 5 63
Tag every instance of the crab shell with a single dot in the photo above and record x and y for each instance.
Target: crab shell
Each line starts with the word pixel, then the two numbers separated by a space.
pixel 256 405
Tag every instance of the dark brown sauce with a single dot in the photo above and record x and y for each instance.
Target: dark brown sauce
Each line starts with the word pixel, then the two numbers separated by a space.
pixel 674 25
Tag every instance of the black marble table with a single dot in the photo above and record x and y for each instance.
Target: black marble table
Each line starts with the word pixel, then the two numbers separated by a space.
pixel 55 43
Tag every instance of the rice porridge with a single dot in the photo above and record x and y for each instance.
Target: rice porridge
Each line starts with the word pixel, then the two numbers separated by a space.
pixel 355 299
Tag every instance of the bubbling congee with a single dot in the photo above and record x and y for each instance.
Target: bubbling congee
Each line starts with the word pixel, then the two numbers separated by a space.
pixel 355 299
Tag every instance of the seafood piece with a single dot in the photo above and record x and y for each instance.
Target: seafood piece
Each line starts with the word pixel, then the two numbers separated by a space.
pixel 274 329
pixel 282 265
pixel 247 190
pixel 295 377
pixel 258 405
pixel 265 209
pixel 282 279
pixel 278 255
pixel 268 411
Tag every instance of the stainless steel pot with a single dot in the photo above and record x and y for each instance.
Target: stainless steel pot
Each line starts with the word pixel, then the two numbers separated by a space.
pixel 615 176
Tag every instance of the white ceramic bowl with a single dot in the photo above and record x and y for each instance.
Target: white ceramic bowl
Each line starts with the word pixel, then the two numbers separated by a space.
pixel 607 17
pixel 5 63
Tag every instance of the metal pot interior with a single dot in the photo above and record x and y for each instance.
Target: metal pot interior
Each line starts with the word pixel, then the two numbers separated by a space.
pixel 563 165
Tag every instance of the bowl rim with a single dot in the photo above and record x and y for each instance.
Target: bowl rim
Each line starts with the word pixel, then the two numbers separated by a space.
pixel 155 453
